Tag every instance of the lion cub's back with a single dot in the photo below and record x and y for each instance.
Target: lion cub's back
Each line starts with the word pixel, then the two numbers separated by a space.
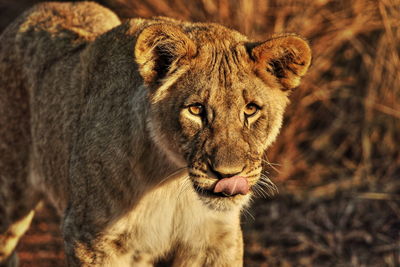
pixel 39 54
pixel 49 32
pixel 86 19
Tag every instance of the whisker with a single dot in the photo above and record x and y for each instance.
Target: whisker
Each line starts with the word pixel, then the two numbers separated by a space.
pixel 269 193
pixel 172 174
pixel 272 165
pixel 260 192
pixel 269 189
pixel 248 213
pixel 266 160
pixel 257 193
pixel 267 186
pixel 184 187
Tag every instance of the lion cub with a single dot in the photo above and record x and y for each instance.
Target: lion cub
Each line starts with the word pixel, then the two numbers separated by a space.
pixel 148 135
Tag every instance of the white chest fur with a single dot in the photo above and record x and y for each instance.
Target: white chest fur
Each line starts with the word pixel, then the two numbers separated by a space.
pixel 170 215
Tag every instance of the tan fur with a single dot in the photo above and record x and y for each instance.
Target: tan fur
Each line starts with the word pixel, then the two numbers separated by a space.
pixel 95 115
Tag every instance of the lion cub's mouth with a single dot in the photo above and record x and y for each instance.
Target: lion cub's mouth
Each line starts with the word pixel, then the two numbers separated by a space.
pixel 226 187
pixel 232 186
pixel 209 193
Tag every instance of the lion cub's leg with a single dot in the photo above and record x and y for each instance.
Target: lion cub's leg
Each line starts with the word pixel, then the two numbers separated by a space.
pixel 17 197
pixel 9 240
pixel 87 242
pixel 223 249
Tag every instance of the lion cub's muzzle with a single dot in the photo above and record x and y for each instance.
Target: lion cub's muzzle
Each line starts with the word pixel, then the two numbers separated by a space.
pixel 222 182
pixel 230 181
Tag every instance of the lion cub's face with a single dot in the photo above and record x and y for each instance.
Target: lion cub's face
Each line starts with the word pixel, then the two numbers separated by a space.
pixel 218 101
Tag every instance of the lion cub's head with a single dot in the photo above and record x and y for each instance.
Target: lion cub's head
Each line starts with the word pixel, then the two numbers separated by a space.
pixel 217 100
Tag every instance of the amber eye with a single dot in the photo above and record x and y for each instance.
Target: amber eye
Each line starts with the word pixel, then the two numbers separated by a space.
pixel 251 109
pixel 196 109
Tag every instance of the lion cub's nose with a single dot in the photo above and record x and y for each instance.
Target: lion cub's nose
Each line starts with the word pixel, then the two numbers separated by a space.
pixel 226 171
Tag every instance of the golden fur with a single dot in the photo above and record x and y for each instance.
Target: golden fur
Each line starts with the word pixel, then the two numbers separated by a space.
pixel 98 116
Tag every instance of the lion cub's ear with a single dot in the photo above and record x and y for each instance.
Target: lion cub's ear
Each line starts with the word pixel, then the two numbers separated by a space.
pixel 160 49
pixel 286 57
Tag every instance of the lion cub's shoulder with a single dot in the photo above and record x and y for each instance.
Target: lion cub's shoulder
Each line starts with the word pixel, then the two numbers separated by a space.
pixel 83 20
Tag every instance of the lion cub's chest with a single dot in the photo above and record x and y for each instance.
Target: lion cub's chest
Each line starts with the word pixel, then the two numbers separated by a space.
pixel 169 215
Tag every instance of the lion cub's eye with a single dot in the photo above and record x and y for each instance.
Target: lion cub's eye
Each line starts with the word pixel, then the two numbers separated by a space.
pixel 251 109
pixel 196 109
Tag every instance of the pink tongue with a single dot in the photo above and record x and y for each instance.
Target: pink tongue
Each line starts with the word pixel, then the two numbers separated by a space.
pixel 232 186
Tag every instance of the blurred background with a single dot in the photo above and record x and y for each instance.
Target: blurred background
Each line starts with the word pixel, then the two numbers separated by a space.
pixel 337 160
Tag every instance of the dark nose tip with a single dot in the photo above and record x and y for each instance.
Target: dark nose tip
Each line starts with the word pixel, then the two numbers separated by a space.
pixel 226 171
